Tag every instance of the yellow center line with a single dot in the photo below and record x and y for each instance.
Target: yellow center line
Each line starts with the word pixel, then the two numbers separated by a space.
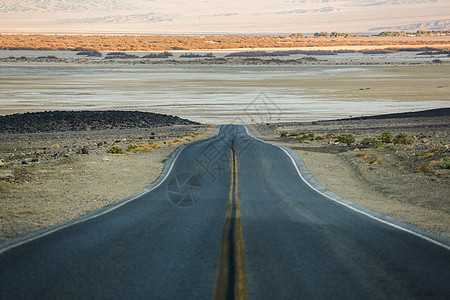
pixel 240 288
pixel 231 282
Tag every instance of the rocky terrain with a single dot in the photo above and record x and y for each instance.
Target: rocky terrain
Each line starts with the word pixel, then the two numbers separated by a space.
pixel 57 121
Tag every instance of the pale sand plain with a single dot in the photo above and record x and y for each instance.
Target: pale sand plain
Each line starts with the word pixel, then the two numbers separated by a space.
pixel 219 94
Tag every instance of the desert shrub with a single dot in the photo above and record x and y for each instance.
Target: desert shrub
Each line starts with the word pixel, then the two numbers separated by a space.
pixel 297 133
pixel 445 164
pixel 403 138
pixel 115 150
pixel 386 136
pixel 283 134
pixel 131 147
pixel 347 138
pixel 375 142
pixel 319 137
pixel 309 136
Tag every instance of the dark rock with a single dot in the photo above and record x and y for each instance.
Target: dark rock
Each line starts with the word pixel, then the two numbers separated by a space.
pixel 84 150
pixel 54 121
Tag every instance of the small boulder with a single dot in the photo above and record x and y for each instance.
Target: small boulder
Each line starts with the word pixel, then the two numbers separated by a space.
pixel 84 150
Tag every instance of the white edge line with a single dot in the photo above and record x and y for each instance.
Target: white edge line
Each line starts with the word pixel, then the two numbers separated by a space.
pixel 81 219
pixel 349 206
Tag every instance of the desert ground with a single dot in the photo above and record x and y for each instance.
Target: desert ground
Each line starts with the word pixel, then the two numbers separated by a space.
pixel 47 178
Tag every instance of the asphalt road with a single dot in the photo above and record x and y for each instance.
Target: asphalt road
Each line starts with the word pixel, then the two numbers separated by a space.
pixel 229 218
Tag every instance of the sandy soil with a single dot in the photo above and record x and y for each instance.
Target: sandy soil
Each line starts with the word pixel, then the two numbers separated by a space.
pixel 401 181
pixel 46 180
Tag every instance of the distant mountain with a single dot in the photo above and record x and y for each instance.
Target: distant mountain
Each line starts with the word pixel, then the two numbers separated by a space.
pixel 51 6
pixel 436 25
pixel 218 16
pixel 121 19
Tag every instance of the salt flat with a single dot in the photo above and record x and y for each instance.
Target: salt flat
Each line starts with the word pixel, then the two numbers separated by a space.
pixel 337 86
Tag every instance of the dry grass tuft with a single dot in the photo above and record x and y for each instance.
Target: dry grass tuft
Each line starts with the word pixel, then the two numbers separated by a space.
pixel 441 172
pixel 193 137
pixel 173 142
pixel 428 155
pixel 435 163
pixel 362 156
pixel 435 149
pixel 148 147
pixel 375 161
pixel 424 167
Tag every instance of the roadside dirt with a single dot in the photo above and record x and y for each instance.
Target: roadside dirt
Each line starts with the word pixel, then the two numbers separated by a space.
pixel 46 179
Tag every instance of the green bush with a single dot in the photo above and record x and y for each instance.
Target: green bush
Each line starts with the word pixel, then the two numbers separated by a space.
pixel 386 136
pixel 309 136
pixel 283 134
pixel 403 138
pixel 131 147
pixel 115 150
pixel 296 133
pixel 446 164
pixel 346 138
pixel 375 142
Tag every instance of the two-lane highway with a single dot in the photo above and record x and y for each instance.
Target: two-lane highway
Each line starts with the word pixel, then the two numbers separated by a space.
pixel 230 219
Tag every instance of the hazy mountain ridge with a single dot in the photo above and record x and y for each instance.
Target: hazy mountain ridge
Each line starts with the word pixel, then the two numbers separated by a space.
pixel 136 18
pixel 437 25
pixel 48 6
pixel 219 16
pixel 327 9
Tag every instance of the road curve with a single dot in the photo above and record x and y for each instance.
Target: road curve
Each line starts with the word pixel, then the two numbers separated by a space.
pixel 230 219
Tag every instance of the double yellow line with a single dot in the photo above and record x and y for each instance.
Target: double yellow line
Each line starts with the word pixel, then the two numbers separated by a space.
pixel 231 282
